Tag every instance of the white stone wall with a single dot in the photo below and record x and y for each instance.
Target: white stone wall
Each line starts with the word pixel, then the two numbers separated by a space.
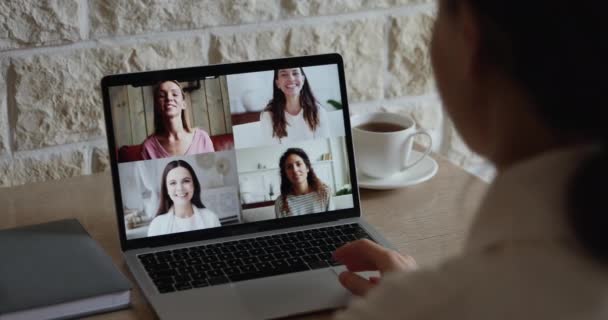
pixel 53 54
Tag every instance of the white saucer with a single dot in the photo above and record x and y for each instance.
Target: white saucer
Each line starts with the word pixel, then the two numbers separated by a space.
pixel 421 172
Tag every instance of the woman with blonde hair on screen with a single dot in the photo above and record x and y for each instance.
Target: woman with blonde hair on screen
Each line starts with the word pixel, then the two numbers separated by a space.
pixel 173 135
pixel 181 208
pixel 294 113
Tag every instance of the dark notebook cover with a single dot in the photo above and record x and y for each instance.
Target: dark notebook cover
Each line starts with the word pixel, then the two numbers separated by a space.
pixel 53 263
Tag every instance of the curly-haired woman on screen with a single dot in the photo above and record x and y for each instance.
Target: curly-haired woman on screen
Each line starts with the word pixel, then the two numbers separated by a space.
pixel 302 192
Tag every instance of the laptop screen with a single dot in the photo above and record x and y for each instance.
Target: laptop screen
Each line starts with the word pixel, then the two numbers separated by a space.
pixel 200 153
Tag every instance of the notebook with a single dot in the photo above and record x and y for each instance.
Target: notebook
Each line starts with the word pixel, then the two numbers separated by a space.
pixel 234 184
pixel 56 270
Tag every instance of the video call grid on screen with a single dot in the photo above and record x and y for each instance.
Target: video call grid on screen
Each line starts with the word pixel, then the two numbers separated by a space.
pixel 235 150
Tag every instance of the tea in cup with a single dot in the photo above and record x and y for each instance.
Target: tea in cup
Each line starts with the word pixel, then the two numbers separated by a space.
pixel 384 142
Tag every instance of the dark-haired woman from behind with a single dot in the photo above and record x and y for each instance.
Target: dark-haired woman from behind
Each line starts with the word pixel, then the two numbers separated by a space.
pixel 524 83
pixel 294 113
pixel 181 208
pixel 302 192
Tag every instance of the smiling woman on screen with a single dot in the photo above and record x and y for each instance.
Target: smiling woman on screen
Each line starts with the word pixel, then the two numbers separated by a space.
pixel 293 113
pixel 173 135
pixel 180 208
pixel 302 192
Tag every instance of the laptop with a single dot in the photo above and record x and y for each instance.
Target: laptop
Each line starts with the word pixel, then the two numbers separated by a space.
pixel 227 209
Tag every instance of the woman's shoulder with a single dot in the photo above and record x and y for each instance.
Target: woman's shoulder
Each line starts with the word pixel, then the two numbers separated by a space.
pixel 158 221
pixel 265 115
pixel 160 218
pixel 206 213
pixel 197 131
pixel 278 200
pixel 278 206
pixel 326 192
pixel 158 225
pixel 209 217
pixel 325 187
pixel 150 140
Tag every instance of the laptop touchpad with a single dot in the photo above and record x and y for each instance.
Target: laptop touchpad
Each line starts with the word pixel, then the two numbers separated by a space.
pixel 291 294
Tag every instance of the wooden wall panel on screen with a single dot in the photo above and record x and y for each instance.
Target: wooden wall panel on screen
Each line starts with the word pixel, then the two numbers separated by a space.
pixel 199 108
pixel 226 104
pixel 120 115
pixel 215 107
pixel 136 113
pixel 148 94
pixel 188 100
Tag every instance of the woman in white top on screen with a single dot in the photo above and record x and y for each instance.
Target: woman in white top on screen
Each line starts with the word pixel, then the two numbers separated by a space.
pixel 180 207
pixel 524 82
pixel 302 192
pixel 293 114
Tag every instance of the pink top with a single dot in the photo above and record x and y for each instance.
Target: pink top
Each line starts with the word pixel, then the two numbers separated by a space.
pixel 201 143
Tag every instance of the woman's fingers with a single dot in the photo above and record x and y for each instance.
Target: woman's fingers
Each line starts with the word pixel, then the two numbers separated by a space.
pixel 355 283
pixel 365 255
pixel 374 280
pixel 361 255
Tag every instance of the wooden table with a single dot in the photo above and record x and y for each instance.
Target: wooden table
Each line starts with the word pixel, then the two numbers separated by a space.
pixel 428 221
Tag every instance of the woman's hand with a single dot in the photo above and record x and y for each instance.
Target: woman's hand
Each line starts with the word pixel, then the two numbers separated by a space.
pixel 365 255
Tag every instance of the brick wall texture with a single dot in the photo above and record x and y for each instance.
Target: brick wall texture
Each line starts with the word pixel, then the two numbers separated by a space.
pixel 53 54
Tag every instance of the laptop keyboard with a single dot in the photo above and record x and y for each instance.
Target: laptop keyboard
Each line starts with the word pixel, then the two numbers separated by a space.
pixel 233 261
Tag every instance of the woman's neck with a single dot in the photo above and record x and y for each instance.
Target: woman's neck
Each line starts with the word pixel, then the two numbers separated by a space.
pixel 183 211
pixel 519 134
pixel 292 105
pixel 174 128
pixel 300 189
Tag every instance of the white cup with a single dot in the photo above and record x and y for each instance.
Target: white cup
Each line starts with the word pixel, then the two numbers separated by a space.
pixel 383 154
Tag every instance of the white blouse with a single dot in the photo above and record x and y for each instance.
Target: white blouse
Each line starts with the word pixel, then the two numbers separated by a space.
pixel 169 223
pixel 521 260
pixel 297 127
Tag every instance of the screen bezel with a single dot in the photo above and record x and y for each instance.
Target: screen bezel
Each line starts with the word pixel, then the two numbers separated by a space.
pixel 197 73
